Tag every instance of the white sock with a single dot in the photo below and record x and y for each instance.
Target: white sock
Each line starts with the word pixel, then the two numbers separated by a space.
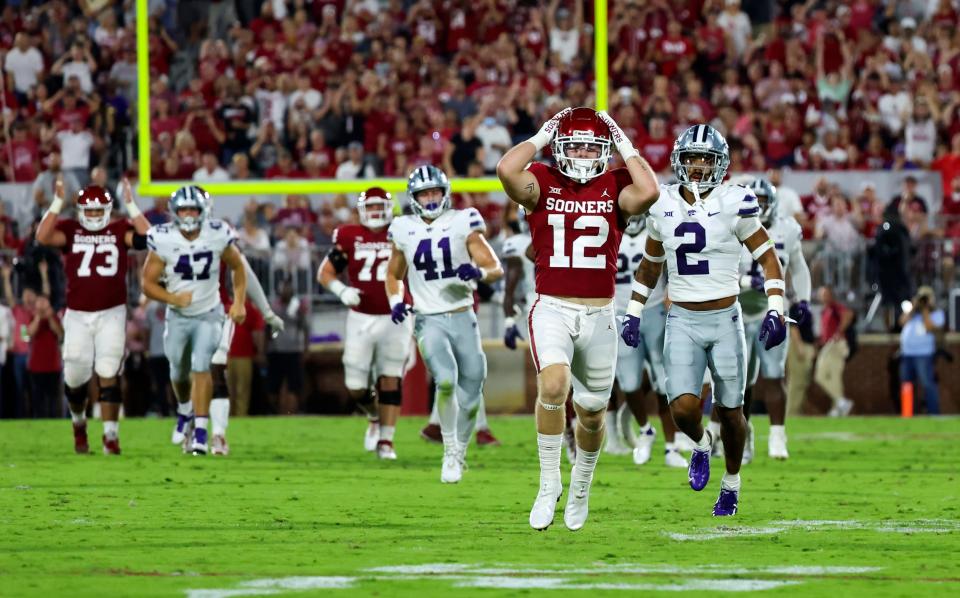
pixel 78 418
pixel 781 430
pixel 185 408
pixel 731 481
pixel 583 467
pixel 714 428
pixel 548 447
pixel 482 416
pixel 220 415
pixel 386 432
pixel 111 429
pixel 669 446
pixel 201 423
pixel 704 443
pixel 447 411
pixel 435 414
pixel 646 428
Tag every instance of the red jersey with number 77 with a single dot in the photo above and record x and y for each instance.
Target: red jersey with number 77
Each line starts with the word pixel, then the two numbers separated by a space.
pixel 368 252
pixel 575 230
pixel 96 265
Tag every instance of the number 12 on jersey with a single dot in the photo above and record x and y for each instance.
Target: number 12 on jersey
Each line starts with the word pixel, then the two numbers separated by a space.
pixel 580 259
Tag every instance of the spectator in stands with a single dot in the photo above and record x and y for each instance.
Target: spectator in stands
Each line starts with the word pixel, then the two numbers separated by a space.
pixel 495 139
pixel 918 346
pixel 25 155
pixel 159 213
pixel 908 195
pixel 25 62
pixel 921 134
pixel 240 167
pixel 136 374
pixel 76 143
pixel 286 351
pixel 870 208
pixel 42 191
pixel 354 166
pixel 161 395
pixel 247 348
pixel 79 63
pixel 291 256
pixel 835 319
pixel 20 347
pixel 839 231
pixel 267 146
pixel 737 25
pixel 801 355
pixel 252 238
pixel 210 171
pixel 285 168
pixel 564 30
pixel 44 364
pixel 948 165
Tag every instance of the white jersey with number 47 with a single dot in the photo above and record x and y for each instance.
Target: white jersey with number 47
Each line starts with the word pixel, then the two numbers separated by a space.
pixel 703 240
pixel 192 265
pixel 433 252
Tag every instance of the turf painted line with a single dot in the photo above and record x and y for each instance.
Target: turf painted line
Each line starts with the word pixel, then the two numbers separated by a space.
pixel 538 577
pixel 917 526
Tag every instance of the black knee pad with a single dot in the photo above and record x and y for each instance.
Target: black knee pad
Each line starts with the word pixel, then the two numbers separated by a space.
pixel 220 390
pixel 76 396
pixel 390 397
pixel 219 374
pixel 110 394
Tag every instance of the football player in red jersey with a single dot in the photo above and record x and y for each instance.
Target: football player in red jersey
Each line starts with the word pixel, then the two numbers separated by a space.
pixel 95 260
pixel 576 212
pixel 373 342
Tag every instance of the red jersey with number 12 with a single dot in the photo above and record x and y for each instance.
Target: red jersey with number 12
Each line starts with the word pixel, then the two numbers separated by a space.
pixel 368 252
pixel 95 264
pixel 575 230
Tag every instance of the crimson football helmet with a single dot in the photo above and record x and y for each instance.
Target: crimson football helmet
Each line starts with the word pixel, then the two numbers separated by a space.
pixel 375 207
pixel 93 198
pixel 580 129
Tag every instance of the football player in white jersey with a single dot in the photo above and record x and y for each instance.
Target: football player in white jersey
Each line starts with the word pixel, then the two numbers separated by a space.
pixel 765 369
pixel 631 364
pixel 186 254
pixel 443 252
pixel 698 226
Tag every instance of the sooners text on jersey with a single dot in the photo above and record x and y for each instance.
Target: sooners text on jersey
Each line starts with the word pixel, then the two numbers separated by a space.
pixel 368 252
pixel 576 230
pixel 96 265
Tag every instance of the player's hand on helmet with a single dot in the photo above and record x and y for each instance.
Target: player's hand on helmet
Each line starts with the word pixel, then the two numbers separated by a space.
pixel 275 323
pixel 468 272
pixel 773 331
pixel 545 135
pixel 620 140
pixel 238 312
pixel 399 312
pixel 182 299
pixel 800 312
pixel 511 333
pixel 350 296
pixel 631 331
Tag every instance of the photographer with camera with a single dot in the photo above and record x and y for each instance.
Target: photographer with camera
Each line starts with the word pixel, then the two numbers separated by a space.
pixel 921 322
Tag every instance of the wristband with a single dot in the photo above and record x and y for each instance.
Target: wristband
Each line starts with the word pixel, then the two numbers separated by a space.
pixel 656 259
pixel 775 303
pixel 483 273
pixel 766 246
pixel 634 308
pixel 133 210
pixel 540 140
pixel 394 299
pixel 774 283
pixel 336 287
pixel 56 205
pixel 641 289
pixel 509 322
pixel 631 152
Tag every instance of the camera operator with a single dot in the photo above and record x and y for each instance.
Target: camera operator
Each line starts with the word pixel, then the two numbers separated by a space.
pixel 921 322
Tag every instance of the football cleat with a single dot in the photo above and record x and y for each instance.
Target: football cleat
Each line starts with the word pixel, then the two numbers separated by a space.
pixel 578 507
pixel 726 504
pixel 111 446
pixel 371 436
pixel 80 444
pixel 182 430
pixel 385 450
pixel 486 438
pixel 199 448
pixel 219 445
pixel 641 454
pixel 452 468
pixel 673 458
pixel 699 470
pixel 748 445
pixel 545 505
pixel 431 433
pixel 777 444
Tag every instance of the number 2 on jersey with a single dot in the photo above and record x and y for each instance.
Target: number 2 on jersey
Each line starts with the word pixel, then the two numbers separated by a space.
pixel 184 267
pixel 684 266
pixel 424 262
pixel 560 259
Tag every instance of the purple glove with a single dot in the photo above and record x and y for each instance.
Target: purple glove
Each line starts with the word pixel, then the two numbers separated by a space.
pixel 510 334
pixel 631 331
pixel 468 272
pixel 772 330
pixel 801 313
pixel 756 283
pixel 399 312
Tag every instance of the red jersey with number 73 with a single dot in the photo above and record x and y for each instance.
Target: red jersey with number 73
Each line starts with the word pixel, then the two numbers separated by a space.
pixel 368 252
pixel 96 265
pixel 576 230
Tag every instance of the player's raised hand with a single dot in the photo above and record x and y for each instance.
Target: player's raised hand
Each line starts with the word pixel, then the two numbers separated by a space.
pixel 399 312
pixel 58 188
pixel 182 299
pixel 468 272
pixel 127 191
pixel 631 331
pixel 545 135
pixel 620 141
pixel 773 331
pixel 350 296
pixel 238 312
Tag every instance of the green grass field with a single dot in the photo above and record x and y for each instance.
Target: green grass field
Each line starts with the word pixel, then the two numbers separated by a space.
pixel 864 506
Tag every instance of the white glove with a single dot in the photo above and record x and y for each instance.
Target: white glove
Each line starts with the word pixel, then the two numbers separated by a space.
pixel 275 323
pixel 623 144
pixel 545 135
pixel 350 296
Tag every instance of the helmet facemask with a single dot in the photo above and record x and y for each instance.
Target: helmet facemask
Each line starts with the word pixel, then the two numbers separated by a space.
pixel 94 223
pixel 375 211
pixel 767 200
pixel 425 178
pixel 432 209
pixel 700 155
pixel 581 155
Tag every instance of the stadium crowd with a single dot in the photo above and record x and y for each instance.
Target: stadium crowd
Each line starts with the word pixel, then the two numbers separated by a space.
pixel 351 89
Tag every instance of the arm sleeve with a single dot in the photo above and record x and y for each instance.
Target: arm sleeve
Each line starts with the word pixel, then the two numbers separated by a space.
pixel 254 290
pixel 800 273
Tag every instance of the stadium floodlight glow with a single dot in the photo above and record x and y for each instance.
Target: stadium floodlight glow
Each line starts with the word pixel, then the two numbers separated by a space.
pixel 149 187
